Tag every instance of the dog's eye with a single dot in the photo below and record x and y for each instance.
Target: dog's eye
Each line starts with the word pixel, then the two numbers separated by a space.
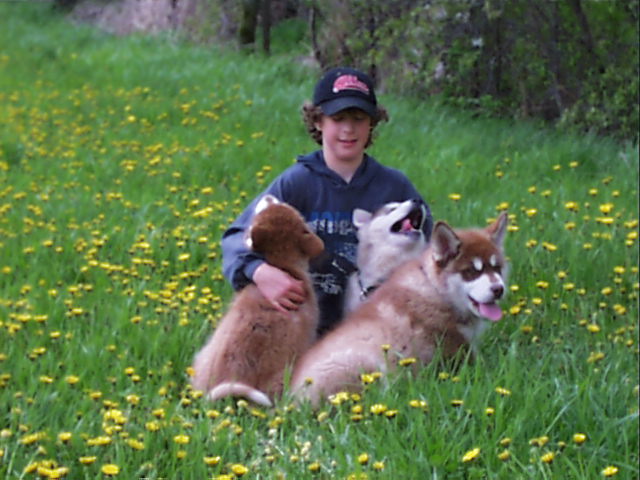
pixel 470 273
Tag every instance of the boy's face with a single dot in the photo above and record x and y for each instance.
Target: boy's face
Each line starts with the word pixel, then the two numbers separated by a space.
pixel 345 135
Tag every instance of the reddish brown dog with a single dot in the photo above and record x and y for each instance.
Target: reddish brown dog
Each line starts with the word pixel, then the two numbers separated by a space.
pixel 444 297
pixel 254 343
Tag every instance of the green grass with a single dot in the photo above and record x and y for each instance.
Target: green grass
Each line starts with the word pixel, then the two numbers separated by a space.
pixel 122 160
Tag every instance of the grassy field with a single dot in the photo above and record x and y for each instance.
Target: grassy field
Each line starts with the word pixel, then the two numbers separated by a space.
pixel 122 160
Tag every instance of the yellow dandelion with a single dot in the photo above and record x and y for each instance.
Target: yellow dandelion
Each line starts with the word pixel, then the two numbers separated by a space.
pixel 212 461
pixel 367 378
pixel 32 438
pixel 539 441
pixel 579 438
pixel 238 469
pixel 504 455
pixel 152 426
pixel 610 471
pixel 363 458
pixel 606 208
pixel 72 379
pixel 378 409
pixel 418 404
pixel 455 197
pixel 339 398
pixel 407 361
pixel 110 469
pixel 471 455
pixel 503 391
pixel 53 473
pixel 88 460
pixel 605 220
pixel 548 457
pixel 135 444
pixel 181 439
pixel 620 309
pixel 314 467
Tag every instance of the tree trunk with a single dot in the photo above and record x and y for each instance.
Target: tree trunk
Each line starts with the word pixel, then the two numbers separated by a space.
pixel 249 22
pixel 266 26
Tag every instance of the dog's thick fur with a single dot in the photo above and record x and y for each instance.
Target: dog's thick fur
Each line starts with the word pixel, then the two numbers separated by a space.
pixel 254 343
pixel 439 299
pixel 386 239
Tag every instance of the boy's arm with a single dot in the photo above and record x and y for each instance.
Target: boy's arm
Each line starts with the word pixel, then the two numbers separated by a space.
pixel 238 262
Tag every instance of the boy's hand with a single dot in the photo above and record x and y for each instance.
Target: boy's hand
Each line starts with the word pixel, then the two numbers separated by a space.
pixel 283 291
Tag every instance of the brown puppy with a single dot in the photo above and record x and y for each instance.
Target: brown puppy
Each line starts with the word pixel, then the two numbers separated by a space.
pixel 254 343
pixel 441 298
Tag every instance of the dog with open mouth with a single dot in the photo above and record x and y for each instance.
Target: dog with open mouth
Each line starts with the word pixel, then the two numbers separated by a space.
pixel 386 239
pixel 444 299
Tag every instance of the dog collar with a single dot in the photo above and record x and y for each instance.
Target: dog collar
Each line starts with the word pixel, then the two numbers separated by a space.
pixel 365 292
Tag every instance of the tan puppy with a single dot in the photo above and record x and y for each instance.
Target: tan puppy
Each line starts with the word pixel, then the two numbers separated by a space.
pixel 441 298
pixel 254 343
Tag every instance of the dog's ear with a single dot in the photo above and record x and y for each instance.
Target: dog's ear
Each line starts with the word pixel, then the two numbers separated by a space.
pixel 257 238
pixel 445 244
pixel 360 217
pixel 264 202
pixel 498 229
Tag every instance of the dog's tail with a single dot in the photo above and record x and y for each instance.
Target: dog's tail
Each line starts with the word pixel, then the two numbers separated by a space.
pixel 237 389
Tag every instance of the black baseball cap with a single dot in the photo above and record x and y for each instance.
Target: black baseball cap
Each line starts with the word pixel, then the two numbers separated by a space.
pixel 343 87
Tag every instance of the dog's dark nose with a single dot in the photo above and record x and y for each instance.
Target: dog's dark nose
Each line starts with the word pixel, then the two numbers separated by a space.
pixel 497 290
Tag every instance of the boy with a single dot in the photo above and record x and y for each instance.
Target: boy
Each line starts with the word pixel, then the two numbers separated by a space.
pixel 325 186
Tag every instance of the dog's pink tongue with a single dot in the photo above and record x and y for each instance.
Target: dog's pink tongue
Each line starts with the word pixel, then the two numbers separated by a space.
pixel 490 311
pixel 406 225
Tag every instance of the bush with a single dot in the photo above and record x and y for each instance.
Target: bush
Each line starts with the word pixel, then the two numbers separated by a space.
pixel 572 61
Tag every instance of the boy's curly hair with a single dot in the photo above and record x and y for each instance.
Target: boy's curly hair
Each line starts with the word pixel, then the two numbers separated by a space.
pixel 311 114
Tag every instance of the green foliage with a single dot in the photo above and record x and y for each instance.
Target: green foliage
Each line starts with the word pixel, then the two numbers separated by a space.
pixel 122 160
pixel 575 60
